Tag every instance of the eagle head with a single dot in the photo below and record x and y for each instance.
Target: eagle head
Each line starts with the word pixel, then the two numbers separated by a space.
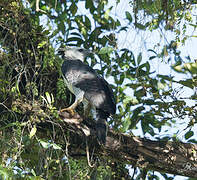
pixel 74 53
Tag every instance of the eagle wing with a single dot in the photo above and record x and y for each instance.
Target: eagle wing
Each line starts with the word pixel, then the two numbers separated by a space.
pixel 96 90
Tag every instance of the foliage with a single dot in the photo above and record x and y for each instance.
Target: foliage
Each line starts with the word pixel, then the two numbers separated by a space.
pixel 32 91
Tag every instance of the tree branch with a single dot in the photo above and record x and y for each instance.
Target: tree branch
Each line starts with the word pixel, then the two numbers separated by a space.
pixel 142 152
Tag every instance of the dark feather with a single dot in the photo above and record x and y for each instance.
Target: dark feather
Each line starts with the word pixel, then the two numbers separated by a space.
pixel 97 91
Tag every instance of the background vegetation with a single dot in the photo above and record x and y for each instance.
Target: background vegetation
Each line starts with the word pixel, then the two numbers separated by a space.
pixel 33 143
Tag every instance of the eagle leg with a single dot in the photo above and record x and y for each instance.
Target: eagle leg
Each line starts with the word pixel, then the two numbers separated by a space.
pixel 78 100
pixel 69 109
pixel 86 108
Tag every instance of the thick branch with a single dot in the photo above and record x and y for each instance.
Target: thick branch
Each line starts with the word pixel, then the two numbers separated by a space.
pixel 163 156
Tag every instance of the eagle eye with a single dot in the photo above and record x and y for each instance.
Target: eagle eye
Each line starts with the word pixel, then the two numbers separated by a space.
pixel 80 50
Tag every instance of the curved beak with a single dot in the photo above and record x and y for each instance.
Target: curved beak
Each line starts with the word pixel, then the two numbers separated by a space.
pixel 60 51
pixel 89 52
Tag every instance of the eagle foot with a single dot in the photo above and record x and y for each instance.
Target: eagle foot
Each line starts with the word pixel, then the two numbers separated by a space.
pixel 69 110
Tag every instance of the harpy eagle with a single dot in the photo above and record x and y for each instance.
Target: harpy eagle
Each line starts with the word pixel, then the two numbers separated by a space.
pixel 88 87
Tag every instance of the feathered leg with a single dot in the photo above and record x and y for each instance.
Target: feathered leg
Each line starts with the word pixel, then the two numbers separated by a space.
pixel 86 108
pixel 78 99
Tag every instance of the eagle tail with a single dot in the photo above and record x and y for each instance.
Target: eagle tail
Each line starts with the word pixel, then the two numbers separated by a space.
pixel 101 126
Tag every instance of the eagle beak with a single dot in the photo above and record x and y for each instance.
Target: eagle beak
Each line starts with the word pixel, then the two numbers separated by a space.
pixel 60 51
pixel 89 52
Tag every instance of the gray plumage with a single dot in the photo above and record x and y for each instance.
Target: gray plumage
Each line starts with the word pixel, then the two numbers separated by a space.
pixel 83 81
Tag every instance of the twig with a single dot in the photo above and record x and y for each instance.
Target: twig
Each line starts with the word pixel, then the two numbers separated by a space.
pixel 88 155
pixel 38 8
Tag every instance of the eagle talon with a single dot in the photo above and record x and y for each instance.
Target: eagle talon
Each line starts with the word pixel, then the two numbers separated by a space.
pixel 69 110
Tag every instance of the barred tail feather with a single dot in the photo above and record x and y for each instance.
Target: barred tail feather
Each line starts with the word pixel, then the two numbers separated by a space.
pixel 101 125
pixel 101 130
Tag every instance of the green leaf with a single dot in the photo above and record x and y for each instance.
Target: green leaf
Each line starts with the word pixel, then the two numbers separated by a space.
pixel 195 26
pixel 33 172
pixel 4 173
pixel 128 16
pixel 166 77
pixel 106 14
pixel 90 5
pixel 178 68
pixel 106 50
pixel 50 98
pixel 140 26
pixel 47 145
pixel 61 27
pixel 189 134
pixel 151 50
pixel 140 93
pixel 189 83
pixel 44 144
pixel 73 8
pixel 41 44
pixel 32 132
pixel 87 23
pixel 145 65
pixel 192 67
pixel 126 124
pixel 152 57
pixel 55 146
pixel 139 58
pixel 149 101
